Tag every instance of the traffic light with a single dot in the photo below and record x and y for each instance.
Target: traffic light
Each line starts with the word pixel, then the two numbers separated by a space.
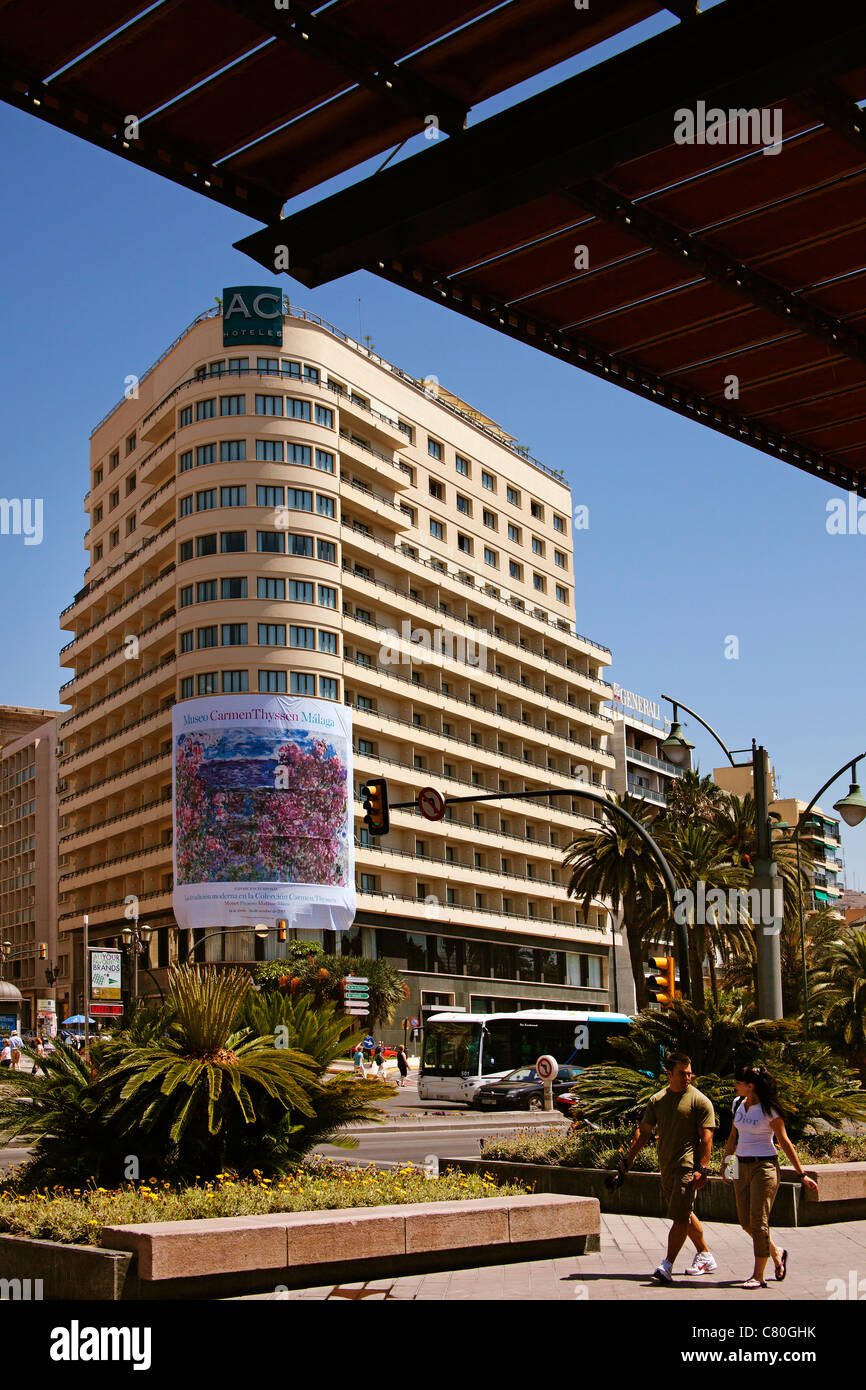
pixel 43 950
pixel 661 981
pixel 281 930
pixel 375 801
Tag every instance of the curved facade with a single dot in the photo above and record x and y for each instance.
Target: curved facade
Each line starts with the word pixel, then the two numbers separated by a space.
pixel 312 520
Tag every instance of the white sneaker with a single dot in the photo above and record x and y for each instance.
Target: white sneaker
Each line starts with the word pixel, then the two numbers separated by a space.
pixel 664 1272
pixel 703 1263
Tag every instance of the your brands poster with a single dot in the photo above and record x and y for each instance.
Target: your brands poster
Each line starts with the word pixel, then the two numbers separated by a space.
pixel 263 812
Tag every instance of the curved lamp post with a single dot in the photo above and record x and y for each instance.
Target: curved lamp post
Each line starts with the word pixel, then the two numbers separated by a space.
pixel 852 809
pixel 677 748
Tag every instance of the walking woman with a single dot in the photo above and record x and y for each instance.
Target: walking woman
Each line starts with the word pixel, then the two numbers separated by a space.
pixel 402 1064
pixel 759 1126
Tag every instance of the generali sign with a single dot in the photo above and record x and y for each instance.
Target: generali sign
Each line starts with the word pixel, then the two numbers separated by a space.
pixel 650 708
pixel 252 314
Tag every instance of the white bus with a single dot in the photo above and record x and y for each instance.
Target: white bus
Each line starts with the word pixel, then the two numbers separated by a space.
pixel 465 1051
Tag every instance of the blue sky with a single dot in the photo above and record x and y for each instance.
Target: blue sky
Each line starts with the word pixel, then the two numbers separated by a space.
pixel 692 539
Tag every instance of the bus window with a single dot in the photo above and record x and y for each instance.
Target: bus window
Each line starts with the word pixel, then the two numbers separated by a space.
pixel 451 1049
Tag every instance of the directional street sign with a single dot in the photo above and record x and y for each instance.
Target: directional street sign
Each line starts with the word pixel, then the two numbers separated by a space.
pixel 431 803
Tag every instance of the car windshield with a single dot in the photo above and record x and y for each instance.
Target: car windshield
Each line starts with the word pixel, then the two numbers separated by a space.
pixel 522 1074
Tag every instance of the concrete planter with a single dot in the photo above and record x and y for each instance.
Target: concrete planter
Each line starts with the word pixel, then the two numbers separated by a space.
pixel 842 1194
pixel 65 1271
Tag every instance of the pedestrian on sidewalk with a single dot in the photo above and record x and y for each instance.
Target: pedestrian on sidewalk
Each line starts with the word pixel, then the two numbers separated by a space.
pixel 402 1064
pixel 5 1054
pixel 39 1059
pixel 685 1120
pixel 358 1059
pixel 751 1162
pixel 379 1062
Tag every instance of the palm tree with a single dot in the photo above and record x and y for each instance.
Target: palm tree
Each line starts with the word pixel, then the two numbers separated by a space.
pixel 840 991
pixel 615 862
pixel 692 797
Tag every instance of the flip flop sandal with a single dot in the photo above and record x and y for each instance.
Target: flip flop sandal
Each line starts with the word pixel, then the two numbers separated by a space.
pixel 783 1265
pixel 754 1284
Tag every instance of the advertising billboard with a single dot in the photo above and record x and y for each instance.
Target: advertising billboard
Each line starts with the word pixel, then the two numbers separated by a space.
pixel 105 975
pixel 263 806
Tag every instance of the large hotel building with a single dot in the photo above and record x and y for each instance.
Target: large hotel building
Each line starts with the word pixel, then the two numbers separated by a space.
pixel 311 520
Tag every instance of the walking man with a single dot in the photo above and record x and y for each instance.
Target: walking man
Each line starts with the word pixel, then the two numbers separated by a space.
pixel 685 1121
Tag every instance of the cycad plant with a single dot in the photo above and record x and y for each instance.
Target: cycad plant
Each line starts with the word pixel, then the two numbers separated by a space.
pixel 840 991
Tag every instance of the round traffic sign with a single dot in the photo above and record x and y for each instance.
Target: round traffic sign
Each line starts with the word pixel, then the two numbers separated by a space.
pixel 369 1042
pixel 431 803
pixel 413 1023
pixel 546 1067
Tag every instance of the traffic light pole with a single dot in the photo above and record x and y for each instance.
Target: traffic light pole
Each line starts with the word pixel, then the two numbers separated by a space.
pixel 682 943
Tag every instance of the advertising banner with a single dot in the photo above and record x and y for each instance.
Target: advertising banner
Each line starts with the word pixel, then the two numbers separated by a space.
pixel 105 975
pixel 263 806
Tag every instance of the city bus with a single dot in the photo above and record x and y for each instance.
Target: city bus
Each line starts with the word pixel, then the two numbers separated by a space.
pixel 465 1051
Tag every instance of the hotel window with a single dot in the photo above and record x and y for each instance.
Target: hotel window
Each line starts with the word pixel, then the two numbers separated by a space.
pixel 537 546
pixel 464 543
pixel 207 637
pixel 131 483
pixel 463 504
pixel 239 366
pixel 299 499
pixel 217 368
pixel 328 642
pixel 185 417
pixel 302 637
pixel 235 682
pixel 97 515
pixel 187 596
pixel 299 545
pixel 270 542
pixel 113 461
pixel 234 634
pixel 275 589
pixel 185 551
pixel 113 539
pixel 437 530
pixel 489 519
pixel 269 450
pixel 206 591
pixel 187 642
pixel 204 501
pixel 490 556
pixel 327 596
pixel 561 594
pixel 436 490
pixel 233 588
pixel 514 534
pixel 368 883
pixel 405 468
pixel 559 558
pixel 269 405
pixel 326 550
pixel 269 496
pixel 434 449
pixel 233 450
pixel 328 688
pixel 233 405
pixel 206 683
pixel 130 524
pixel 462 465
pixel 233 496
pixel 311 374
pixel 537 511
pixel 187 686
pixel 206 410
pixel 558 523
pixel 488 481
pixel 325 506
pixel 97 476
pixel 324 460
pixel 268 366
pixel 301 591
pixel 113 499
pixel 539 582
pixel 297 409
pixel 366 747
pixel 515 570
pixel 272 682
pixel 205 453
pixel 186 505
pixel 272 634
pixel 301 684
pixel 324 416
pixel 233 542
pixel 298 453
pixel 130 444
pixel 513 496
pixel 186 461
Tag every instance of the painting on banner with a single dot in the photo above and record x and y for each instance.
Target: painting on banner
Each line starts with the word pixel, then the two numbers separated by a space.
pixel 262 803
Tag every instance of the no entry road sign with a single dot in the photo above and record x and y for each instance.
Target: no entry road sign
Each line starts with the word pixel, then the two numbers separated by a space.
pixel 431 803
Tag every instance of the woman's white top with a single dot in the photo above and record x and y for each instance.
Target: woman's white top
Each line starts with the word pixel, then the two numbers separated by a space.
pixel 755 1138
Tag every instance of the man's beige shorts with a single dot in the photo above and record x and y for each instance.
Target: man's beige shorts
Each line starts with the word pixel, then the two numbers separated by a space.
pixel 679 1192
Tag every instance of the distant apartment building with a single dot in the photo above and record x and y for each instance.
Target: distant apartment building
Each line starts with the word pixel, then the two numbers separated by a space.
pixel 28 861
pixel 310 520
pixel 640 767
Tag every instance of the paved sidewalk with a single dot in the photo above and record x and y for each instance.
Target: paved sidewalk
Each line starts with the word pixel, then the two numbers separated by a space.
pixel 631 1248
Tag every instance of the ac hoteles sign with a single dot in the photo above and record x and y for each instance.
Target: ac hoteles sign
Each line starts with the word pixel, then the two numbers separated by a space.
pixel 252 314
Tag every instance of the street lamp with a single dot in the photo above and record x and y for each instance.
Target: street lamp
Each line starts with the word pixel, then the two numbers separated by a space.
pixel 852 808
pixel 676 747
pixel 769 959
pixel 136 939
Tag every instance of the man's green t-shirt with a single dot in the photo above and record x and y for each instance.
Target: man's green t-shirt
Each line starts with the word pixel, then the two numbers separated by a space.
pixel 679 1120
